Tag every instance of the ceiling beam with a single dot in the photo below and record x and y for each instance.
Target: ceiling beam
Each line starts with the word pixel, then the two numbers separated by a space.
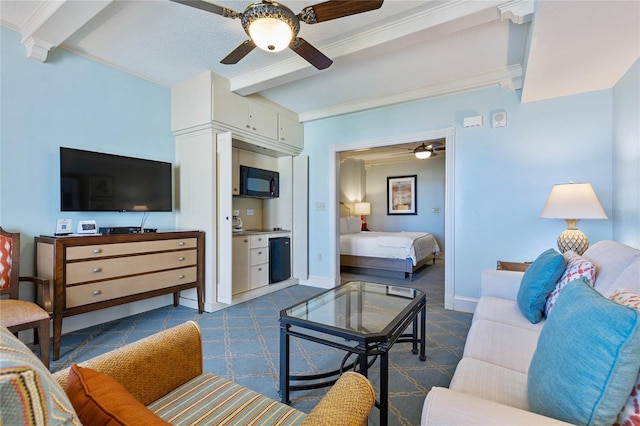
pixel 509 77
pixel 53 22
pixel 450 12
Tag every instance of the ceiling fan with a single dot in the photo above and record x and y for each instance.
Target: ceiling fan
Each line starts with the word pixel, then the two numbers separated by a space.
pixel 423 150
pixel 273 27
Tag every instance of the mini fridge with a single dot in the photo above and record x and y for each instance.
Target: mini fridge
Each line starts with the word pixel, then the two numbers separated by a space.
pixel 279 259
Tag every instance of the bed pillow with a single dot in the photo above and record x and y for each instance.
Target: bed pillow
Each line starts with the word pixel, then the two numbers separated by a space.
pixel 577 267
pixel 354 224
pixel 630 414
pixel 101 400
pixel 587 358
pixel 537 282
pixel 343 226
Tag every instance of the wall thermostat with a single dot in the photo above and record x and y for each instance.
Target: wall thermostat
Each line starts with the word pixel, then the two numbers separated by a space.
pixel 499 119
pixel 87 227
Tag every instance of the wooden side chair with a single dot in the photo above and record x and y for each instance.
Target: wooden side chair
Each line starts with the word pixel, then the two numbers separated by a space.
pixel 17 315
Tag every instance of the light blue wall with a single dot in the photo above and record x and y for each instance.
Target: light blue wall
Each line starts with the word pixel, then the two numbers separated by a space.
pixel 74 102
pixel 502 176
pixel 430 194
pixel 626 158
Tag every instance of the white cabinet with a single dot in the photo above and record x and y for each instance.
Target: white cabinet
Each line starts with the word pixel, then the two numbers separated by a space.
pixel 240 272
pixel 250 262
pixel 244 114
pixel 258 260
pixel 262 120
pixel 290 132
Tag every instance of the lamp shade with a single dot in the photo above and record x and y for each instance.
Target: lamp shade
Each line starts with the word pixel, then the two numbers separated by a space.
pixel 573 201
pixel 362 208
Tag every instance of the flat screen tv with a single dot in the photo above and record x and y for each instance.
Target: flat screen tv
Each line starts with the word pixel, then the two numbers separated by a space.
pixel 93 181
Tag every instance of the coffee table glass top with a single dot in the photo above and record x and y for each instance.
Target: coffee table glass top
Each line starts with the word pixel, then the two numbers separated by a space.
pixel 362 307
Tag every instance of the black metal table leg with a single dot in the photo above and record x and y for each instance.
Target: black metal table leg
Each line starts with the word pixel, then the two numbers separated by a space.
pixel 384 388
pixel 284 363
pixel 423 321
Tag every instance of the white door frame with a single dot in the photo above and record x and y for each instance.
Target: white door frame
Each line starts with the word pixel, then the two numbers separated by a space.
pixel 449 223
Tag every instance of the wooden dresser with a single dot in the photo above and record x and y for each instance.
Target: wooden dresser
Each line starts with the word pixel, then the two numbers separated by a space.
pixel 99 271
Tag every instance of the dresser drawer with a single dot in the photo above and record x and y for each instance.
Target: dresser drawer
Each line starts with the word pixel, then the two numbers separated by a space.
pixel 259 275
pixel 119 249
pixel 258 255
pixel 256 241
pixel 91 270
pixel 86 294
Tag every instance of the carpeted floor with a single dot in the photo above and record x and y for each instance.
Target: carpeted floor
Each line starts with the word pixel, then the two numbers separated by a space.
pixel 241 343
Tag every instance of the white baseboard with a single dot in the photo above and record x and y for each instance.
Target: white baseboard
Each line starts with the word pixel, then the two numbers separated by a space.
pixel 464 304
pixel 321 282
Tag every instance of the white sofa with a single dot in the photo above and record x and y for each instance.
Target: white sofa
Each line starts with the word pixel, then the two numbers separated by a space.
pixel 489 385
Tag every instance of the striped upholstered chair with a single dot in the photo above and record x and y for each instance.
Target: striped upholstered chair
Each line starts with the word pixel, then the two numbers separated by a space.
pixel 15 314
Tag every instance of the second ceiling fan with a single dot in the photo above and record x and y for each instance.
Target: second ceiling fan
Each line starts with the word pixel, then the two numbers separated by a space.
pixel 273 27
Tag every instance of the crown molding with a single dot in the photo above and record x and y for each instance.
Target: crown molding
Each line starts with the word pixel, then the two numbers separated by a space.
pixel 53 22
pixel 509 77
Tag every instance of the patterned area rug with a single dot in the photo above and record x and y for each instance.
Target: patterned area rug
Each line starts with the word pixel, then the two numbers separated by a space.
pixel 241 343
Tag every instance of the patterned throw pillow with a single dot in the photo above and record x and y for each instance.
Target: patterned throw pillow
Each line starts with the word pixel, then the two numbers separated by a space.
pixel 577 267
pixel 630 414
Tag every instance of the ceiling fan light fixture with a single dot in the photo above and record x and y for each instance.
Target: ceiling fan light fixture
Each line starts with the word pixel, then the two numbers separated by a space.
pixel 422 152
pixel 271 26
pixel 270 34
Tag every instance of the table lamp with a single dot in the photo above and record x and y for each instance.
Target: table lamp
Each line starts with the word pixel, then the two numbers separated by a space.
pixel 363 209
pixel 572 202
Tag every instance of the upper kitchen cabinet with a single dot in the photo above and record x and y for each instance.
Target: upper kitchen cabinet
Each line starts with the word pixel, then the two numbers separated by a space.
pixel 207 101
pixel 290 132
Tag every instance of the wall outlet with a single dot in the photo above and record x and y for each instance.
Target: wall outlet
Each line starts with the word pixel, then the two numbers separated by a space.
pixel 249 212
pixel 320 206
pixel 436 209
pixel 236 212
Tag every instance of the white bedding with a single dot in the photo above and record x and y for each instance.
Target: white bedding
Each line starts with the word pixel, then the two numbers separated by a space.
pixel 394 245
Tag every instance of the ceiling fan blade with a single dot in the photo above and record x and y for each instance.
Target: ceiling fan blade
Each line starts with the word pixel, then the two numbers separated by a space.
pixel 310 53
pixel 210 7
pixel 238 53
pixel 336 9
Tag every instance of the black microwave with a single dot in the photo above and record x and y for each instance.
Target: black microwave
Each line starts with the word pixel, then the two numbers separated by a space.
pixel 259 183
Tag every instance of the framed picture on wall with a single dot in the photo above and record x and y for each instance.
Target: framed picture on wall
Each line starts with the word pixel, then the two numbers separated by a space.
pixel 402 196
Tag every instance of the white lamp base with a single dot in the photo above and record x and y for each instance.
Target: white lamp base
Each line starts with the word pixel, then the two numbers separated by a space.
pixel 573 239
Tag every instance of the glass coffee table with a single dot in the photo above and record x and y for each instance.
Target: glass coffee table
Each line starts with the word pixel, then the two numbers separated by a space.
pixel 362 318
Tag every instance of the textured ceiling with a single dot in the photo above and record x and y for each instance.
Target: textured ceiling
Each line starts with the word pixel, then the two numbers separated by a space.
pixel 406 50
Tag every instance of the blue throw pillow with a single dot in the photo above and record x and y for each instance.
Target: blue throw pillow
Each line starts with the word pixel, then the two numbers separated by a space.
pixel 587 359
pixel 537 282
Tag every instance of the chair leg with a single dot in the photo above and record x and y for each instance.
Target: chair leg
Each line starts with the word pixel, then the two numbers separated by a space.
pixel 43 332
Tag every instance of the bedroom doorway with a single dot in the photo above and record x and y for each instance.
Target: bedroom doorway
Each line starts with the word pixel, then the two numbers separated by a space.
pixel 390 145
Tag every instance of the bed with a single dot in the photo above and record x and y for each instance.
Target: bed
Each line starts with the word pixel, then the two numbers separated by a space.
pixel 390 251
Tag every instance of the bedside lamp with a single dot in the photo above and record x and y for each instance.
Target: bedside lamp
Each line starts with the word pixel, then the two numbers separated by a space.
pixel 572 202
pixel 363 209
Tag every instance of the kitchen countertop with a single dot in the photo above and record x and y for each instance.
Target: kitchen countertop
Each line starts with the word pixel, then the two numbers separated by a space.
pixel 260 231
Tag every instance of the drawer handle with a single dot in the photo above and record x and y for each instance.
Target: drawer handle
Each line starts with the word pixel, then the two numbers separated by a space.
pixel 246 241
pixel 97 292
pixel 259 252
pixel 260 239
pixel 180 277
pixel 181 258
pixel 96 270
pixel 259 269
pixel 181 243
pixel 97 251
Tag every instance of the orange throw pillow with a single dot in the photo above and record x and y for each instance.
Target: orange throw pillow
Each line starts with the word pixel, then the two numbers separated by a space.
pixel 100 400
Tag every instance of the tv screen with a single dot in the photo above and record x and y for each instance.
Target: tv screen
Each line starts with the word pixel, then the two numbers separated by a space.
pixel 93 181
